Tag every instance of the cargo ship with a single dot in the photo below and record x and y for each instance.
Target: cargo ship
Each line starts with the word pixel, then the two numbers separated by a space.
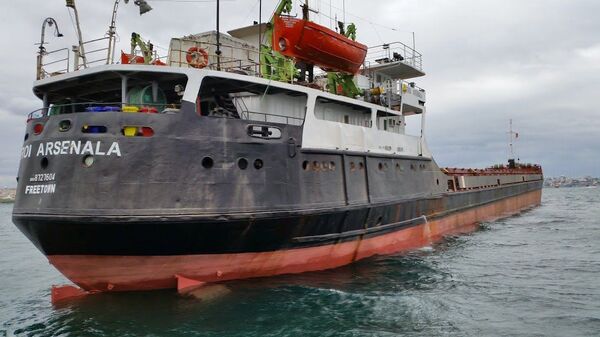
pixel 230 159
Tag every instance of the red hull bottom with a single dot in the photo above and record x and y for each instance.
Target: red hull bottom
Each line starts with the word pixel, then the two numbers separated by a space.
pixel 127 273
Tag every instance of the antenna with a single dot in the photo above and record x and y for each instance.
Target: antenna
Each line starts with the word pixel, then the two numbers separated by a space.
pixel 330 15
pixel 512 136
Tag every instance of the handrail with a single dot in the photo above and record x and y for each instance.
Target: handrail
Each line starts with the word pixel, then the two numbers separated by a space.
pixel 66 59
pixel 386 53
pixel 250 65
pixel 96 40
pixel 287 118
pixel 119 107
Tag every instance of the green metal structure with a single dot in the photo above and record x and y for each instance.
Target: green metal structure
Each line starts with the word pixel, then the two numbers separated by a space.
pixel 273 65
pixel 146 48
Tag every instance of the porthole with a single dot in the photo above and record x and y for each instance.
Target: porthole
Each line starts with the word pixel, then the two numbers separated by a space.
pixel 44 163
pixel 352 166
pixel 64 125
pixel 88 160
pixel 380 166
pixel 26 136
pixel 207 162
pixel 305 165
pixel 243 163
pixel 258 164
pixel 437 181
pixel 316 165
pixel 361 166
pixel 332 166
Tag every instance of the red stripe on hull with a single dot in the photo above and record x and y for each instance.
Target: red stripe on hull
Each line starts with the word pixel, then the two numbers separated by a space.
pixel 124 273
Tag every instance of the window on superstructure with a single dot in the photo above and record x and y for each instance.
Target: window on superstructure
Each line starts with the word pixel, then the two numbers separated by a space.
pixel 390 121
pixel 229 98
pixel 147 92
pixel 342 112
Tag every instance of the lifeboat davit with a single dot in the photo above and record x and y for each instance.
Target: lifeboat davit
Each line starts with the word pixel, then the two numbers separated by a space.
pixel 311 43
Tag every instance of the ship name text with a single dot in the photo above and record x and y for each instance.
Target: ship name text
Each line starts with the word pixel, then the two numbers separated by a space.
pixel 69 147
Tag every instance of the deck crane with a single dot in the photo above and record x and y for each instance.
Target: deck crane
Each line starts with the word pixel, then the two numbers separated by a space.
pixel 273 65
pixel 147 50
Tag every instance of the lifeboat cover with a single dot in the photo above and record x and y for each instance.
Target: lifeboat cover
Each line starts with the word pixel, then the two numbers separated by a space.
pixel 311 43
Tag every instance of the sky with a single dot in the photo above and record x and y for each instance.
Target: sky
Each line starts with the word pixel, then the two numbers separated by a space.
pixel 536 62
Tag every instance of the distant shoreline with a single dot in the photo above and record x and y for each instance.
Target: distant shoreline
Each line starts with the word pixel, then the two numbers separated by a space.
pixel 7 195
pixel 561 182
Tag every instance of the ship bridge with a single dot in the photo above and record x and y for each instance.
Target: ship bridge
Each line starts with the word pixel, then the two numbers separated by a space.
pixel 387 68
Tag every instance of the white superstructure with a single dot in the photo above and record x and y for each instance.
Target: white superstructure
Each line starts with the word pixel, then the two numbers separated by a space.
pixel 388 118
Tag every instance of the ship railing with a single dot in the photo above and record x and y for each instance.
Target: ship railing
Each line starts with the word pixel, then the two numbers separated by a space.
pixel 227 61
pixel 411 88
pixel 164 108
pixel 93 52
pixel 497 170
pixel 59 63
pixel 98 107
pixel 273 118
pixel 155 56
pixel 229 64
pixel 394 52
pixel 398 86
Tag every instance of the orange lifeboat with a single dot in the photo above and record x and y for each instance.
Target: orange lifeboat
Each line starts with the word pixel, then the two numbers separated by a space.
pixel 311 43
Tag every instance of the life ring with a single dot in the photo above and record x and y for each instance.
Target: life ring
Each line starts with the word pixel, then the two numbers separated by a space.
pixel 197 57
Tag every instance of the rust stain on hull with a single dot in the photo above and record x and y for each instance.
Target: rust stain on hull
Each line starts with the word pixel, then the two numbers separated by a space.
pixel 127 273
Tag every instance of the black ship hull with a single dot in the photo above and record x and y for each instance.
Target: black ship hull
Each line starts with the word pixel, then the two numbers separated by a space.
pixel 213 199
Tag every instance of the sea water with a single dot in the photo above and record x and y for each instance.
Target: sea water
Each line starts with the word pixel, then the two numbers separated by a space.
pixel 533 274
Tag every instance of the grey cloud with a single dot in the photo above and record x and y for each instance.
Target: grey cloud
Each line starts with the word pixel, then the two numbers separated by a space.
pixel 536 61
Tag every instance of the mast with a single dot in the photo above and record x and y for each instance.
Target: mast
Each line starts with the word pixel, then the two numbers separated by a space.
pixel 259 22
pixel 112 30
pixel 512 136
pixel 510 144
pixel 81 52
pixel 218 52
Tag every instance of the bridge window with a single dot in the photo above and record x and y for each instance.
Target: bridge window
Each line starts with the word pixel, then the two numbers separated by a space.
pixel 390 121
pixel 342 112
pixel 146 92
